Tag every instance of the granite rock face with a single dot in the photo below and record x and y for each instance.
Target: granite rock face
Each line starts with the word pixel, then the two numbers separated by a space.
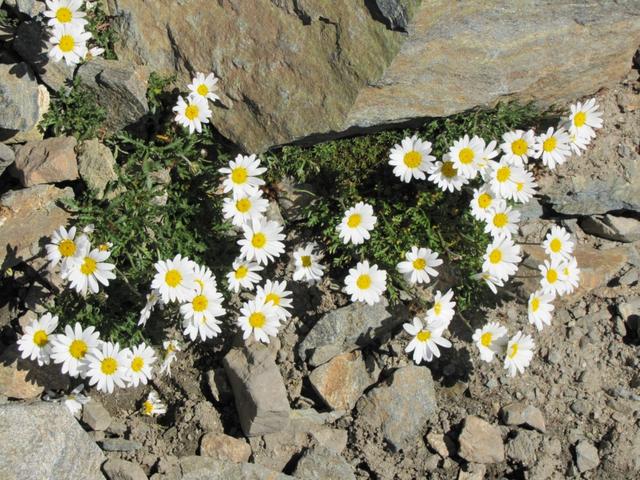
pixel 293 69
pixel 19 109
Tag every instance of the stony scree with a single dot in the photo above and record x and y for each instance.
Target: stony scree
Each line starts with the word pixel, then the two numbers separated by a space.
pixel 224 447
pixel 586 456
pixel 96 416
pixel 400 407
pixel 319 463
pixel 480 441
pixel 117 469
pixel 521 413
pixel 347 328
pixel 48 161
pixel 204 468
pixel 51 438
pixel 258 389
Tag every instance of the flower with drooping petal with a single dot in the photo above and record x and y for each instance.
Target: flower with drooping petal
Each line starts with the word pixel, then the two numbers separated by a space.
pixel 519 353
pixel 490 340
pixel 426 339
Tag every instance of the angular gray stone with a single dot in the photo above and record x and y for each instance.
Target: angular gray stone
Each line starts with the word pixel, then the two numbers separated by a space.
pixel 347 328
pixel 586 456
pixel 43 441
pixel 218 385
pixel 7 156
pixel 119 445
pixel 117 469
pixel 96 166
pixel 120 88
pixel 523 446
pixel 396 13
pixel 224 447
pixel 96 416
pixel 480 442
pixel 205 468
pixel 612 227
pixel 520 413
pixel 258 389
pixel 400 407
pixel 19 110
pixel 47 161
pixel 28 7
pixel 319 463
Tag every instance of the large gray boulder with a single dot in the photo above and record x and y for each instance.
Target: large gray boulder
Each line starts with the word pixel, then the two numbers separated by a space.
pixel 43 441
pixel 19 109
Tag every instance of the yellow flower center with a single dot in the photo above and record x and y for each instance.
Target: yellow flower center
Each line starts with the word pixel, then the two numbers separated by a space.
pixel 191 112
pixel 243 205
pixel 484 200
pixel 67 43
pixel 273 298
pixel 147 406
pixel 437 308
pixel 466 156
pixel 514 350
pixel 423 335
pixel 64 15
pixel 363 282
pixel 579 119
pixel 103 247
pixel 448 170
pixel 203 90
pixel 137 364
pixel 259 240
pixel 40 338
pixel 199 303
pixel 519 186
pixel 485 339
pixel 519 146
pixel 67 248
pixel 535 304
pixel 354 220
pixel 239 175
pixel 419 263
pixel 88 266
pixel 495 256
pixel 503 174
pixel 109 365
pixel 552 276
pixel 500 219
pixel 555 245
pixel 241 272
pixel 306 260
pixel 549 145
pixel 257 320
pixel 566 271
pixel 412 159
pixel 173 278
pixel 200 283
pixel 78 349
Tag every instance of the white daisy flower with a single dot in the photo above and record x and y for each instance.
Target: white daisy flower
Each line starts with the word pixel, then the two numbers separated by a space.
pixel 244 210
pixel 570 274
pixel 579 141
pixel 490 280
pixel 204 277
pixel 192 113
pixel 276 294
pixel 307 264
pixel 242 176
pixel 483 199
pixel 518 146
pixel 365 283
pixel 540 308
pixel 262 241
pixel 87 270
pixel 244 275
pixel 107 366
pixel 467 155
pixel 553 281
pixel 419 265
pixel 153 406
pixel 204 86
pixel 64 245
pixel 501 258
pixel 502 220
pixel 443 307
pixel 503 178
pixel 153 298
pixel 426 339
pixel 489 152
pixel 553 146
pixel 447 176
pixel 35 343
pixel 490 340
pixel 70 348
pixel 558 244
pixel 140 360
pixel 93 53
pixel 65 12
pixel 174 279
pixel 525 188
pixel 170 347
pixel 585 118
pixel 201 312
pixel 519 353
pixel 258 318
pixel 68 42
pixel 356 224
pixel 411 159
pixel 75 400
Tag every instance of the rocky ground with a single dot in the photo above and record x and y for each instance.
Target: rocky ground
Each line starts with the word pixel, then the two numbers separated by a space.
pixel 335 396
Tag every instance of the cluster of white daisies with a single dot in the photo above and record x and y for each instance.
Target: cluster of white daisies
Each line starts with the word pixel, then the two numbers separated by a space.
pixel 69 38
pixel 194 111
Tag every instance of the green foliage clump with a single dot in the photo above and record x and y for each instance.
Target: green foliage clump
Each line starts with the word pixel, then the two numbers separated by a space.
pixel 101 27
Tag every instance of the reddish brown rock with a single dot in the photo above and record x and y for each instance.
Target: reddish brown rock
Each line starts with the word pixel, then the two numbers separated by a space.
pixel 225 447
pixel 48 161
